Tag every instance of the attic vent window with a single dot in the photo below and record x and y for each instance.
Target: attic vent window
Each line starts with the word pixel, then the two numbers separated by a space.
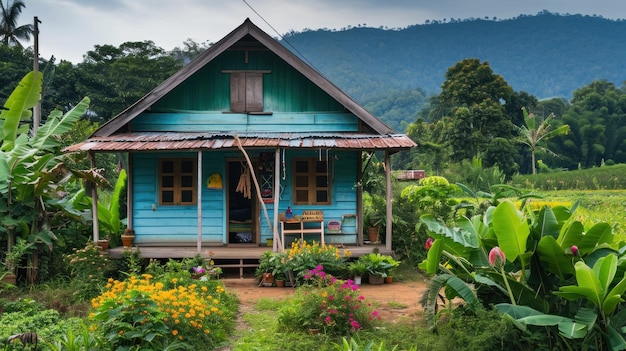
pixel 246 91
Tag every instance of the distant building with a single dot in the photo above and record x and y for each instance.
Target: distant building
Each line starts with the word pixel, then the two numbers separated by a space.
pixel 410 174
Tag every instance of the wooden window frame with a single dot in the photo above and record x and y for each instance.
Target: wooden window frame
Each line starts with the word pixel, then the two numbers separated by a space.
pixel 177 187
pixel 312 187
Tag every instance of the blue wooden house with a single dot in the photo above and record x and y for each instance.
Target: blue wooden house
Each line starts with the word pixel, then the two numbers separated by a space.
pixel 223 148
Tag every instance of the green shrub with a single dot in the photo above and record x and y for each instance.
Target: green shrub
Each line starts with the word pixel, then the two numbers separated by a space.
pixel 335 307
pixel 90 268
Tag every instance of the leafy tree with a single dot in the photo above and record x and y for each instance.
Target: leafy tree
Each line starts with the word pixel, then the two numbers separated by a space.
pixel 433 152
pixel 10 32
pixel 189 51
pixel 15 62
pixel 474 97
pixel 534 132
pixel 500 153
pixel 597 119
pixel 116 77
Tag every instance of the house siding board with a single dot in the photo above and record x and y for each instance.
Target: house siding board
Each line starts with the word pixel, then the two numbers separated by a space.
pixel 343 192
pixel 284 88
pixel 216 121
pixel 175 224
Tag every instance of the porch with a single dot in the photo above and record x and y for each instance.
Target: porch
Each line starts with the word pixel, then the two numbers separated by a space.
pixel 231 257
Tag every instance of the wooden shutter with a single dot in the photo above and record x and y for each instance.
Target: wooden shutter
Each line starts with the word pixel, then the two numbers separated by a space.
pixel 238 91
pixel 254 92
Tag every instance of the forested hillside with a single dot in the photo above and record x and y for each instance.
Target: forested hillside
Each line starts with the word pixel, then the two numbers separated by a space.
pixel 545 55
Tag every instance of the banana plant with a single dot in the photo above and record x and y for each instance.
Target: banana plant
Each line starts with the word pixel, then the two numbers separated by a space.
pixel 31 166
pixel 108 215
pixel 597 286
pixel 544 250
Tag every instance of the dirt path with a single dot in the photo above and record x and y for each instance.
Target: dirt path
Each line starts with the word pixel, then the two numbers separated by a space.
pixel 394 302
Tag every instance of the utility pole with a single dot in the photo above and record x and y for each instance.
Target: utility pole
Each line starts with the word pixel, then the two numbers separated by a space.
pixel 37 107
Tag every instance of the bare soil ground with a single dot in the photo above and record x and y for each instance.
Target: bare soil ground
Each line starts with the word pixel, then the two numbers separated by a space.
pixel 394 302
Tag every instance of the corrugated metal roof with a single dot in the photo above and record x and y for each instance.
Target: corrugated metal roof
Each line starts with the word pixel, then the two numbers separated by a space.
pixel 152 141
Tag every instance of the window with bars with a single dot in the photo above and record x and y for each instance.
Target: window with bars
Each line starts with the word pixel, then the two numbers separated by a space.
pixel 311 182
pixel 177 181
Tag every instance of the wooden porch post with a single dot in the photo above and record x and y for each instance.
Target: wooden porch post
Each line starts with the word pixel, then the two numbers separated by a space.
pixel 389 214
pixel 129 192
pixel 276 185
pixel 199 203
pixel 359 201
pixel 94 202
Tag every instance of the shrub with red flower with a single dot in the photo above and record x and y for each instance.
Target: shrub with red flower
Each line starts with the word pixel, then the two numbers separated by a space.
pixel 326 303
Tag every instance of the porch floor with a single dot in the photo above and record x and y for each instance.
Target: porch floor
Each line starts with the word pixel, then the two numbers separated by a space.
pixel 232 256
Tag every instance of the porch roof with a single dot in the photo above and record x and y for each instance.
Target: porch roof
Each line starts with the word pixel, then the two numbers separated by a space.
pixel 161 141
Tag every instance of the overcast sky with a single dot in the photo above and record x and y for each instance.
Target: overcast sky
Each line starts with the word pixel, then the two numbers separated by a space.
pixel 70 28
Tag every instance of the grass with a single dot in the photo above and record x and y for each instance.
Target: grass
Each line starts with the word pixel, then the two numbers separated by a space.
pixel 595 206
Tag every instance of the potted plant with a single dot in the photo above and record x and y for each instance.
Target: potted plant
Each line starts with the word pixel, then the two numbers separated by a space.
pixel 128 237
pixel 377 267
pixel 392 265
pixel 265 270
pixel 357 270
pixel 374 215
pixel 12 260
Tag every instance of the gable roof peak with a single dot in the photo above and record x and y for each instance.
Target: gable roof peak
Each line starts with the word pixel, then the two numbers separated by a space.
pixel 231 39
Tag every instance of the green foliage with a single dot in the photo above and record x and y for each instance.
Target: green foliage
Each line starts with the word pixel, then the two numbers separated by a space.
pixel 89 270
pixel 377 264
pixel 433 195
pixel 534 132
pixel 116 77
pixel 158 313
pixel 31 167
pixel 132 321
pixel 334 307
pixel 26 315
pixel 545 250
pixel 82 340
pixel 303 256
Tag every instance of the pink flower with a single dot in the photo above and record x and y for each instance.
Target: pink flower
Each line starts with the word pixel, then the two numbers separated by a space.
pixel 574 250
pixel 497 257
pixel 429 243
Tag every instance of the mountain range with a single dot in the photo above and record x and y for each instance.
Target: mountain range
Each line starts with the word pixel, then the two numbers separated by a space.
pixel 546 55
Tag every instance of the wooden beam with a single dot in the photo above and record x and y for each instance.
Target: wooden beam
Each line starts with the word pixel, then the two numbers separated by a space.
pixel 388 227
pixel 129 192
pixel 277 201
pixel 94 202
pixel 199 202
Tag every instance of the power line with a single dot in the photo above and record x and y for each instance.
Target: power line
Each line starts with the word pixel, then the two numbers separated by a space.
pixel 281 37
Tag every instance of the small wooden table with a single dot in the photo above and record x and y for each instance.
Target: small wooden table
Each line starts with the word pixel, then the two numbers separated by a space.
pixel 301 227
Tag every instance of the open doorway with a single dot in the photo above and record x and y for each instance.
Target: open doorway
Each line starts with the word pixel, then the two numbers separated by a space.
pixel 241 209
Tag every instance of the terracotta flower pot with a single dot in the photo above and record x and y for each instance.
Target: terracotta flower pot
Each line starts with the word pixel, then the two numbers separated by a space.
pixel 372 233
pixel 127 240
pixel 104 244
pixel 128 237
pixel 280 283
pixel 388 280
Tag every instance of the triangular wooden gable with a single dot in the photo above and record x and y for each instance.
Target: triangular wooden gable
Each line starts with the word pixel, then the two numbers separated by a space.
pixel 116 124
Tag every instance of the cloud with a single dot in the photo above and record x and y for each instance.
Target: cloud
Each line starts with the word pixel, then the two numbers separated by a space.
pixel 70 28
